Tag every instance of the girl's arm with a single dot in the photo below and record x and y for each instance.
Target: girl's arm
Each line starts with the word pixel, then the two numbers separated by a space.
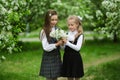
pixel 46 46
pixel 76 47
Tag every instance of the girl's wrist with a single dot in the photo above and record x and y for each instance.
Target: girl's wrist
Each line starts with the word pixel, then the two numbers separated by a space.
pixel 56 44
pixel 67 42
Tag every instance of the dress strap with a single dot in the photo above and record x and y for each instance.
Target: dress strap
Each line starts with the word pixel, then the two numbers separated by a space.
pixel 77 38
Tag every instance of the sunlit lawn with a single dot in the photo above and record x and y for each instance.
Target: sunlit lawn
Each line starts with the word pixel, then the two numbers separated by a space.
pixel 26 65
pixel 107 71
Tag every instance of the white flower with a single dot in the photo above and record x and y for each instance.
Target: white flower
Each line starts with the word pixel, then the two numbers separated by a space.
pixel 2 9
pixel 58 34
pixel 15 7
pixel 9 27
pixel 3 57
pixel 10 49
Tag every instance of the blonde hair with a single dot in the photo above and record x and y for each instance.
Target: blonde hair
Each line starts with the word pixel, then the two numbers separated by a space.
pixel 77 21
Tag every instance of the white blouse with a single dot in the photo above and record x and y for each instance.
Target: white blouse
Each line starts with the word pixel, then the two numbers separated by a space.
pixel 71 37
pixel 45 44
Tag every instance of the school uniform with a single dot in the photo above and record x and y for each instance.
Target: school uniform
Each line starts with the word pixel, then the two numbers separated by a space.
pixel 51 61
pixel 72 60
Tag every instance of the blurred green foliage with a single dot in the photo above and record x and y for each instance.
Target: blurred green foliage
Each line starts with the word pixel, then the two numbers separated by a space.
pixel 18 16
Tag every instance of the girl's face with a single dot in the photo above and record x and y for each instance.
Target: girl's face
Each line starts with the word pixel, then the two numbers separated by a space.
pixel 54 20
pixel 72 26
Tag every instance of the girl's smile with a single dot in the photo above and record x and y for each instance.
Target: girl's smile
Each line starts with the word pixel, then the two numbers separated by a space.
pixel 72 25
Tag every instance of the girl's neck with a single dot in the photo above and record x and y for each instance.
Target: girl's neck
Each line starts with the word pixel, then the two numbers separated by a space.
pixel 75 31
pixel 53 28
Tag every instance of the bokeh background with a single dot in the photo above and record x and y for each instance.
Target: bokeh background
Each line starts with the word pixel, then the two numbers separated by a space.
pixel 22 20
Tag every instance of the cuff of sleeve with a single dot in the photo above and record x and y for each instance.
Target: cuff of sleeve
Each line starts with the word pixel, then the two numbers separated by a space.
pixel 67 43
pixel 55 46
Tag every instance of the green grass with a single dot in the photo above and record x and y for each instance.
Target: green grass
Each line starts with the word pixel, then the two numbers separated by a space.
pixel 35 33
pixel 26 65
pixel 32 34
pixel 94 50
pixel 23 65
pixel 108 71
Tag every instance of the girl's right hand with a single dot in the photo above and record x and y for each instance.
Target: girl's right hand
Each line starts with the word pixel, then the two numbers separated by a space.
pixel 64 40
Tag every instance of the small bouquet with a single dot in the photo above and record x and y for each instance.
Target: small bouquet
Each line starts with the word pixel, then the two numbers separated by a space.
pixel 58 34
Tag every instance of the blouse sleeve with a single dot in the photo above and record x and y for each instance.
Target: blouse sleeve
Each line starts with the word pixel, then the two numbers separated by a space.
pixel 76 47
pixel 46 46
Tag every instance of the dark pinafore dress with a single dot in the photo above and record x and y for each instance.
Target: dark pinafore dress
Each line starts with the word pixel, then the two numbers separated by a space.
pixel 72 63
pixel 51 62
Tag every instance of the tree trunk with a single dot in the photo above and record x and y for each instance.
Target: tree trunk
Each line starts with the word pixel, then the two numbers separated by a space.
pixel 115 39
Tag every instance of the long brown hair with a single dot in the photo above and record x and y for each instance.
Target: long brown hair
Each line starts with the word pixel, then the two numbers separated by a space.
pixel 47 27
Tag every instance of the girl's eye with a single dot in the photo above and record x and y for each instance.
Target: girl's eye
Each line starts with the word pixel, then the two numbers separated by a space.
pixel 54 19
pixel 68 24
pixel 71 24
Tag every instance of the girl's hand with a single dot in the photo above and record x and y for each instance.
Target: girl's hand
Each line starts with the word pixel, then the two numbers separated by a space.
pixel 60 42
pixel 64 40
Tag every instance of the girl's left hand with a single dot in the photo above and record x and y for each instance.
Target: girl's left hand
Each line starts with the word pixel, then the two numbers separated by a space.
pixel 60 42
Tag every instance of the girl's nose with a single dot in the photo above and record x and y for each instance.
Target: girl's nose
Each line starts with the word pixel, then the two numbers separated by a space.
pixel 55 21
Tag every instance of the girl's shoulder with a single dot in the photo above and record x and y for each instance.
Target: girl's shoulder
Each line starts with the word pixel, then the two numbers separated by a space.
pixel 42 31
pixel 80 35
pixel 42 34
